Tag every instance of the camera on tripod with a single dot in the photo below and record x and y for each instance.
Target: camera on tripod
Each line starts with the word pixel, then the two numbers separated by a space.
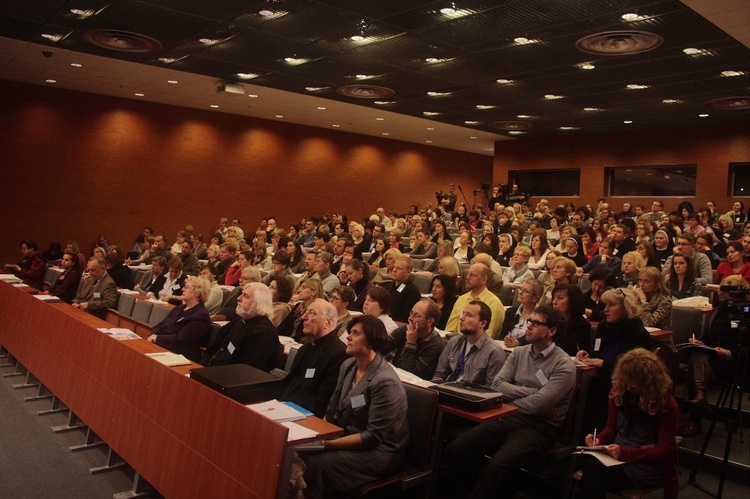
pixel 737 309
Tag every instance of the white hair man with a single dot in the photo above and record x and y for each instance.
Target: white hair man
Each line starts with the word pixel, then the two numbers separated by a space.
pixel 249 339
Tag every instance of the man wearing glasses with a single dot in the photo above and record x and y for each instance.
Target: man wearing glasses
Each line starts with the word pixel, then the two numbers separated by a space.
pixel 539 379
pixel 701 263
pixel 417 345
pixel 657 212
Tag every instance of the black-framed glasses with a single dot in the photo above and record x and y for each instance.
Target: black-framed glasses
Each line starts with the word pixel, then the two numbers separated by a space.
pixel 536 323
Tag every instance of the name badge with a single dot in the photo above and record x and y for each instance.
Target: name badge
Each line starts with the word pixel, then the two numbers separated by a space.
pixel 549 295
pixel 230 348
pixel 401 288
pixel 176 287
pixel 97 295
pixel 541 377
pixel 310 373
pixel 597 344
pixel 358 401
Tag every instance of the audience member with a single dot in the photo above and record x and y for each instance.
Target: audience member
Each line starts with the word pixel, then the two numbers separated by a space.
pixel 31 268
pixel 476 284
pixel 417 345
pixel 67 283
pixel 513 330
pixel 98 292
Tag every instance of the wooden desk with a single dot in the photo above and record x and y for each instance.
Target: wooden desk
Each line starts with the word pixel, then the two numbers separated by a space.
pixel 501 412
pixel 183 438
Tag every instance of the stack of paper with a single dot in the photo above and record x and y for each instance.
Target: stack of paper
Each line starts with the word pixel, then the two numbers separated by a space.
pixel 9 278
pixel 278 411
pixel 297 432
pixel 120 333
pixel 170 359
pixel 49 298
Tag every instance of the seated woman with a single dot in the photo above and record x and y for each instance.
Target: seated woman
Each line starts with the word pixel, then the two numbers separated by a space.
pixel 377 259
pixel 574 250
pixel 590 246
pixel 31 268
pixel 309 291
pixel 369 402
pixel 261 258
pixel 443 289
pixel 169 284
pixel 67 284
pixel 539 250
pixel 358 277
pixel 513 330
pixel 506 245
pixel 281 268
pixel 296 256
pixel 158 267
pixel 646 251
pixel 341 298
pixel 663 246
pixel 424 248
pixel 281 293
pixel 727 231
pixel 518 272
pixel 553 233
pixel 655 300
pixel 444 249
pixel 464 253
pixel 598 227
pixel 620 332
pixel 441 232
pixel 118 271
pixel 396 241
pixel 565 232
pixel 384 274
pixel 704 243
pixel 632 265
pixel 187 327
pixel 212 255
pixel 641 421
pixel 735 264
pixel 232 278
pixel 563 270
pixel 568 299
pixel 604 259
pixel 722 361
pixel 377 304
pixel 600 280
pixel 681 278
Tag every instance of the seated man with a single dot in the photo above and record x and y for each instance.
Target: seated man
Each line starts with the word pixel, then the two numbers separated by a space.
pixel 216 295
pixel 473 356
pixel 190 263
pixel 323 272
pixel 99 292
pixel 315 370
pixel 476 284
pixel 229 309
pixel 250 338
pixel 404 293
pixel 417 345
pixel 31 268
pixel 539 379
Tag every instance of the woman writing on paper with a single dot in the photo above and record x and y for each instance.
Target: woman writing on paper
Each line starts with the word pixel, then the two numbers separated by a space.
pixel 640 430
pixel 369 402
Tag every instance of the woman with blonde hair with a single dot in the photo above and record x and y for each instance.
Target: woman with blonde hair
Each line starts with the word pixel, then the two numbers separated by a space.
pixel 631 267
pixel 640 431
pixel 309 291
pixel 444 249
pixel 654 297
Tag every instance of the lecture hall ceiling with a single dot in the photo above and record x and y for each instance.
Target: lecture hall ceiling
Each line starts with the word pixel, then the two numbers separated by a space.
pixel 457 74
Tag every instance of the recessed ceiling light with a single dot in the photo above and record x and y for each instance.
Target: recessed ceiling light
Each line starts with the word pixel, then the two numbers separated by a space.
pixel 636 86
pixel 380 119
pixel 51 81
pixel 209 41
pixel 568 128
pixel 484 107
pixel 357 38
pixel 295 61
pixel 253 96
pixel 730 73
pixel 692 51
pixel 592 109
pixel 83 14
pixel 522 116
pixel 516 132
pixel 386 133
pixel 173 82
pixel 627 122
pixel 279 115
pixel 335 126
pixel 525 41
pixel 428 141
pixel 321 108
pixel 139 94
pixel 631 16
pixel 471 122
pixel 314 89
pixel 553 96
pixel 382 102
pixel 76 65
pixel 266 12
pixel 167 60
pixel 438 94
pixel 430 128
pixel 503 81
pixel 586 65
pixel 363 77
pixel 52 38
pixel 473 137
pixel 430 113
pixel 246 76
pixel 703 116
pixel 672 101
pixel 214 106
pixel 449 9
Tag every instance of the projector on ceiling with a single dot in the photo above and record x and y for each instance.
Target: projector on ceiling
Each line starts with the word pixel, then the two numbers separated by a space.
pixel 230 88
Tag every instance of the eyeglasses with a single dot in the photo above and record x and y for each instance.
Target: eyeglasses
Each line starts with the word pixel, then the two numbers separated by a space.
pixel 536 323
pixel 416 316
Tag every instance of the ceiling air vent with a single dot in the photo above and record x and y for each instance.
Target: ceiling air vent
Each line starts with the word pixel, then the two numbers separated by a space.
pixel 619 42
pixel 365 91
pixel 122 41
pixel 512 125
pixel 729 103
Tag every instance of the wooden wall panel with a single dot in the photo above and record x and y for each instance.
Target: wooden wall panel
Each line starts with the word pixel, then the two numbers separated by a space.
pixel 712 148
pixel 76 164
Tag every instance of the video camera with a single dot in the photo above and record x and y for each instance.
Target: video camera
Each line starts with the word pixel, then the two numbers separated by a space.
pixel 737 310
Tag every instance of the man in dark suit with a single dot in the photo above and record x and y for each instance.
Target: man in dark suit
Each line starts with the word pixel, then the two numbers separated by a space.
pixel 99 292
pixel 315 370
pixel 404 293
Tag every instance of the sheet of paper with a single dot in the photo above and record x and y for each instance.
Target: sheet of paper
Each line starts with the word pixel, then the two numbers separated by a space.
pixel 297 432
pixel 276 410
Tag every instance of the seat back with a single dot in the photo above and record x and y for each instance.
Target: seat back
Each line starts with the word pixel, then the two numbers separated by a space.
pixel 422 282
pixel 112 317
pixel 125 304
pixel 229 294
pixel 142 310
pixel 418 264
pixel 421 416
pixel 158 314
pixel 51 275
pixel 584 283
pixel 506 294
pixel 685 323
